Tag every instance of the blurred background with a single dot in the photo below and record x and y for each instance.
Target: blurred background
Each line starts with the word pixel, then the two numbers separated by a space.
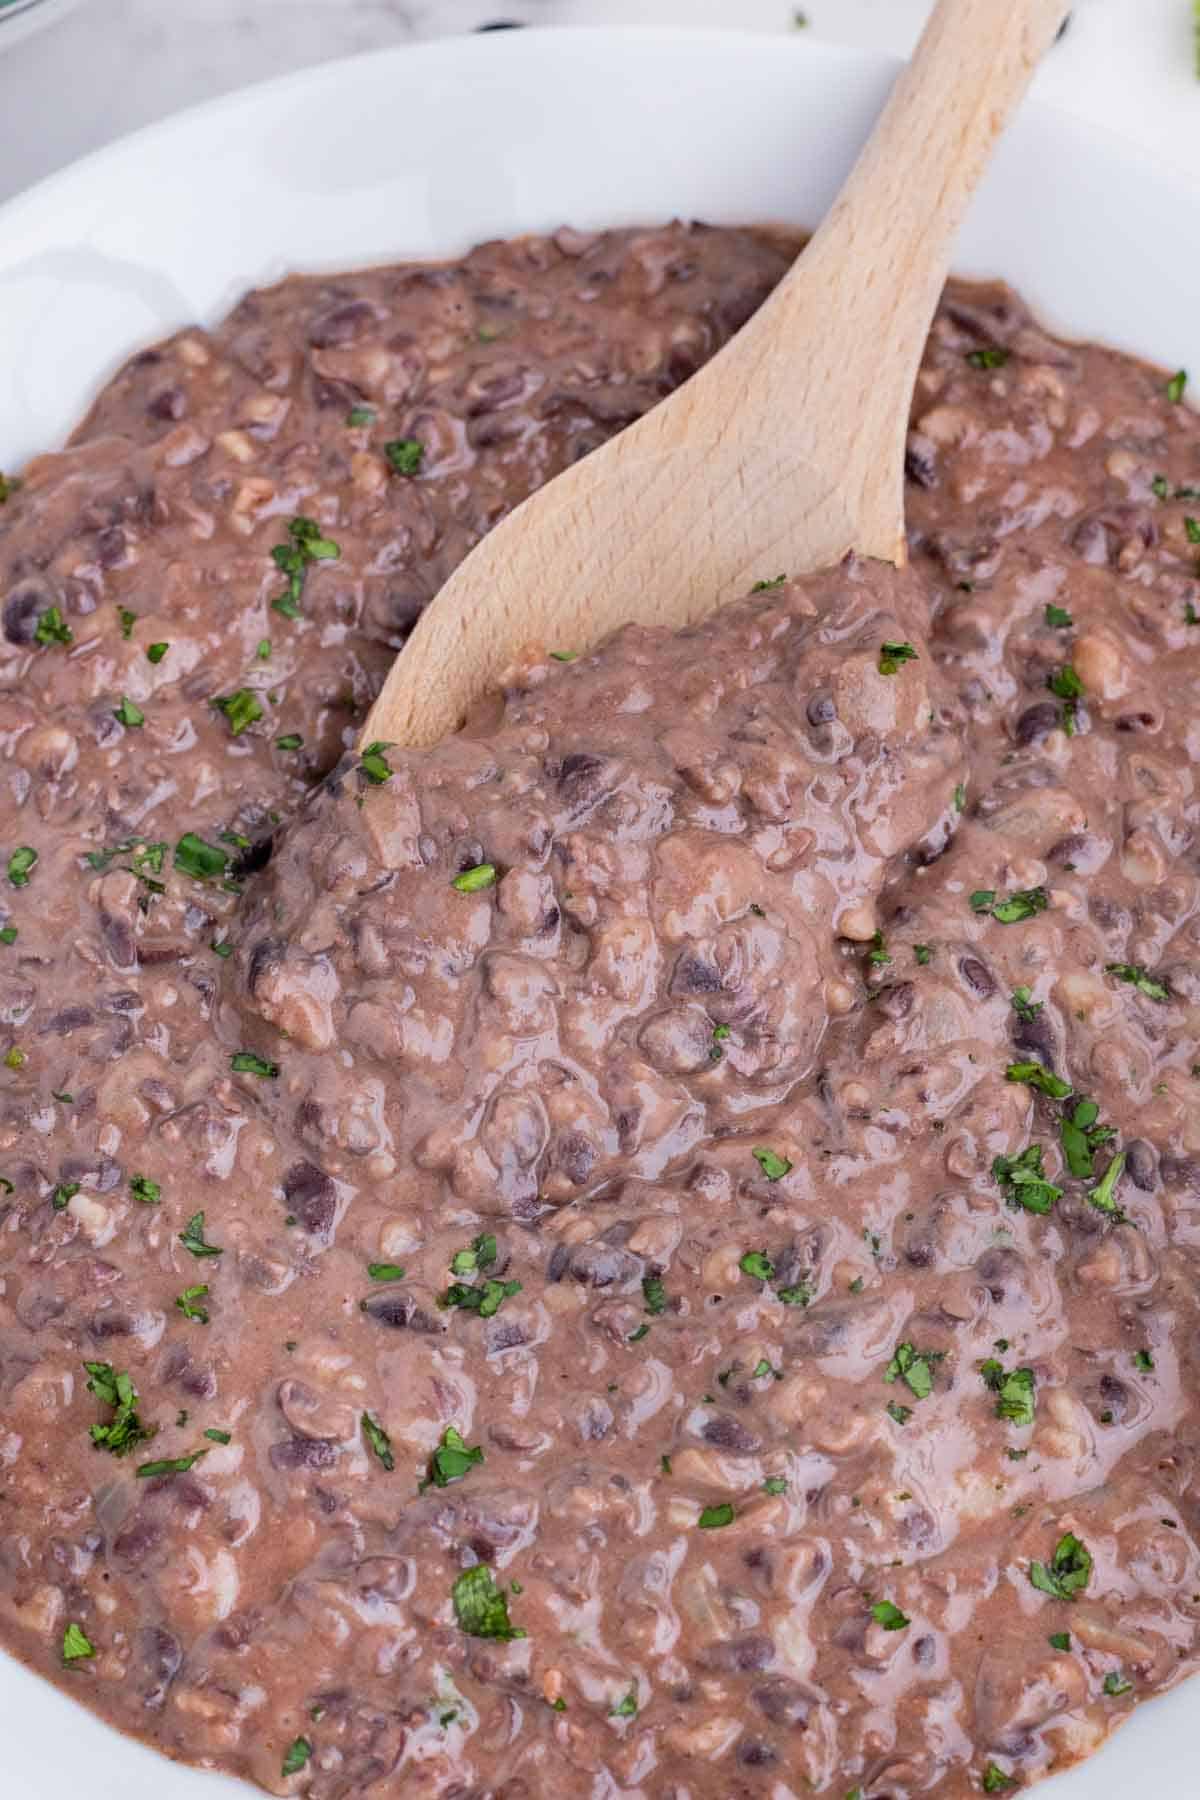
pixel 75 74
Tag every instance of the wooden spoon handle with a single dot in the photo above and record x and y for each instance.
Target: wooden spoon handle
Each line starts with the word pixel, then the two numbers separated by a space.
pixel 864 293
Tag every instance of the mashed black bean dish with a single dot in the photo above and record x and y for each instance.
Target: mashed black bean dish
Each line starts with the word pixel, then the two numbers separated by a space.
pixel 651 1250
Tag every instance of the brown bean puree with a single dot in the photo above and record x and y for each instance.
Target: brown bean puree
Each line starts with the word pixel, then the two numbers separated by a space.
pixel 653 1249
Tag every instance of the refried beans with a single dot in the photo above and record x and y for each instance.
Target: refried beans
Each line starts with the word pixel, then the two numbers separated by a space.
pixel 651 1249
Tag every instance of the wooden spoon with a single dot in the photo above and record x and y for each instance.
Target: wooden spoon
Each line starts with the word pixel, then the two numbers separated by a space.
pixel 783 452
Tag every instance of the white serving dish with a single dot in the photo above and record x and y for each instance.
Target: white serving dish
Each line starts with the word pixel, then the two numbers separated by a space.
pixel 422 151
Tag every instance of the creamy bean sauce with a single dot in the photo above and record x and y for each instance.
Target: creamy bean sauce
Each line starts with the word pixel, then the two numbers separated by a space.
pixel 650 1250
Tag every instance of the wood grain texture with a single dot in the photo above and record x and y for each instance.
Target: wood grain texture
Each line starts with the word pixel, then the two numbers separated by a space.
pixel 782 453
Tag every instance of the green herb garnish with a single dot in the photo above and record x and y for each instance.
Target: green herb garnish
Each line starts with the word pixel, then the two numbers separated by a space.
pixel 452 1459
pixel 295 1756
pixel 480 1607
pixel 241 708
pixel 1069 1571
pixel 405 455
pixel 893 657
pixel 76 1644
pixel 471 881
pixel 192 1238
pixel 773 1166
pixel 128 714
pixel 245 1062
pixel 991 358
pixel 379 1441
pixel 758 1265
pixel 187 1304
pixel 124 1430
pixel 52 628
pixel 20 863
pixel 1140 978
pixel 715 1518
pixel 913 1368
pixel 204 861
pixel 1023 1180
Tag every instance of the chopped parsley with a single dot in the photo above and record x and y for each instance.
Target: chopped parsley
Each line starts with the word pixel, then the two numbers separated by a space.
pixel 290 741
pixel 76 1644
pixel 626 1708
pixel 1024 904
pixel 1023 1180
pixel 1176 386
pixel 654 1294
pixel 295 1756
pixel 471 881
pixel 889 1616
pixel 481 1255
pixel 1069 1570
pixel 1102 1195
pixel 360 415
pixel 169 1465
pixel 775 1484
pixel 1117 1683
pixel 923 953
pixel 124 1430
pixel 8 934
pixel 374 764
pixel 635 1337
pixel 892 657
pixel 204 861
pixel 991 358
pixel 52 628
pixel 379 1441
pixel 187 1304
pixel 1081 1137
pixel 19 865
pixel 405 455
pixel 1066 686
pixel 758 1265
pixel 1059 1640
pixel 1038 1077
pixel 995 1780
pixel 764 587
pixel 798 1295
pixel 452 1459
pixel 304 546
pixel 192 1238
pixel 63 1194
pixel 385 1271
pixel 128 714
pixel 1192 530
pixel 241 708
pixel 564 655
pixel 219 1437
pixel 156 652
pixel 485 1299
pixel 1140 978
pixel 878 954
pixel 1024 1005
pixel 245 1062
pixel 1015 1392
pixel 773 1166
pixel 912 1367
pixel 1143 1361
pixel 715 1518
pixel 901 1414
pixel 481 1608
pixel 1057 617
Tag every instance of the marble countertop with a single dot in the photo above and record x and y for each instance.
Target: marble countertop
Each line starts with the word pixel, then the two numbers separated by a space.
pixel 102 67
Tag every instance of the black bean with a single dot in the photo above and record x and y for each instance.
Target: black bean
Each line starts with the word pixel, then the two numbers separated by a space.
pixel 977 976
pixel 311 1195
pixel 1037 722
pixel 584 780
pixel 920 460
pixel 22 608
pixel 754 1753
pixel 341 324
pixel 693 975
pixel 560 1258
pixel 783 1701
pixel 730 1434
pixel 159 1658
pixel 896 1002
pixel 1141 1164
pixel 264 955
pixel 601 1265
pixel 304 1453
pixel 575 1155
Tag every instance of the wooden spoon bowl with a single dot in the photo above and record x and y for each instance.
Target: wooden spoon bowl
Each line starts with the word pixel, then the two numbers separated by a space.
pixel 783 452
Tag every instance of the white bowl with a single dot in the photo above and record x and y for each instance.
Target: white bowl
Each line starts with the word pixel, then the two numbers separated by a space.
pixel 19 19
pixel 423 151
